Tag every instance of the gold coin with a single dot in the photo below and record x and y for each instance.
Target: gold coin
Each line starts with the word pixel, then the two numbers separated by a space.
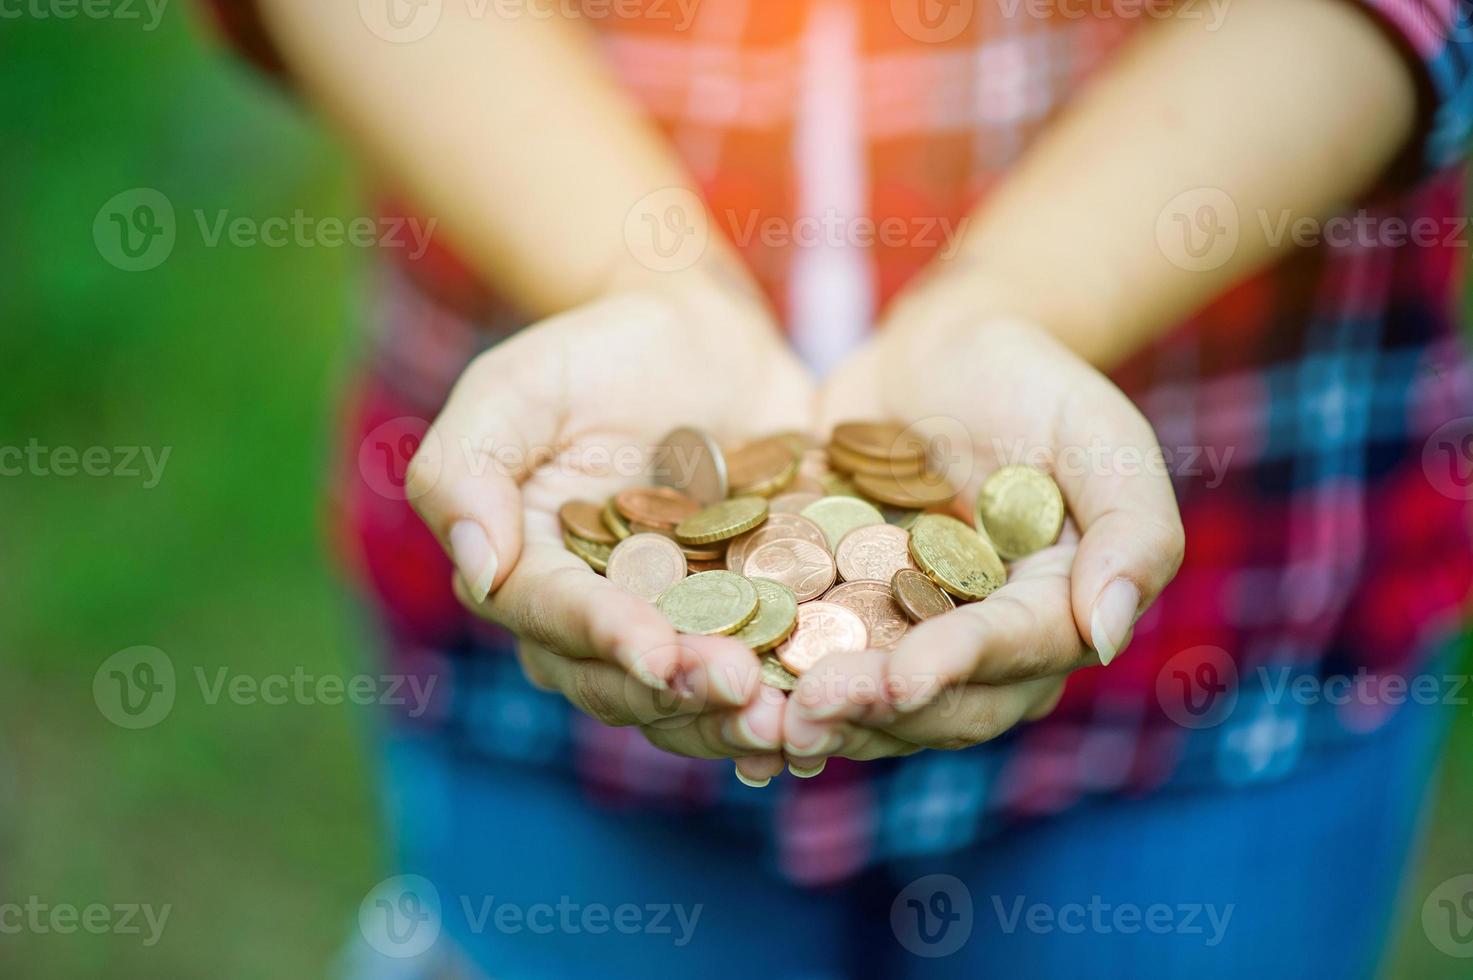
pixel 853 463
pixel 1021 510
pixel 879 440
pixel 597 555
pixel 774 674
pixel 585 520
pixel 761 468
pixel 917 491
pixel 919 596
pixel 614 521
pixel 719 522
pixel 688 460
pixel 777 614
pixel 710 603
pixel 955 557
pixel 838 515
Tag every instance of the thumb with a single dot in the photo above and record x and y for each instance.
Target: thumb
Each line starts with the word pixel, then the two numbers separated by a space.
pixel 465 479
pixel 1132 540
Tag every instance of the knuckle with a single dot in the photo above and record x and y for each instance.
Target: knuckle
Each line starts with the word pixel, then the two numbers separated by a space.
pixel 534 670
pixel 972 728
pixel 591 692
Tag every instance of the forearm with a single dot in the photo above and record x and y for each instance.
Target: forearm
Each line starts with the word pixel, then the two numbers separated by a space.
pixel 1292 109
pixel 507 130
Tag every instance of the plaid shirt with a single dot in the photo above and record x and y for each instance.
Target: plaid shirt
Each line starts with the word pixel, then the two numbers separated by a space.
pixel 1317 419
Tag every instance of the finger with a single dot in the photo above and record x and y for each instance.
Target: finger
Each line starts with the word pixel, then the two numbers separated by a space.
pixel 970 714
pixel 1023 630
pixel 841 687
pixel 848 741
pixel 603 691
pixel 556 601
pixel 757 771
pixel 463 480
pixel 1132 541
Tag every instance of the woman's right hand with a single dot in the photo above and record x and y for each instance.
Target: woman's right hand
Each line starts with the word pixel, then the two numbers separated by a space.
pixel 570 408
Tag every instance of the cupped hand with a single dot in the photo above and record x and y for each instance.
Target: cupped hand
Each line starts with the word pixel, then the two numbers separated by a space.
pixel 990 393
pixel 571 408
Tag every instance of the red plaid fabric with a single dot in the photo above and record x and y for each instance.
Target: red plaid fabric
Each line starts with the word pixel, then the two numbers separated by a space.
pixel 1317 419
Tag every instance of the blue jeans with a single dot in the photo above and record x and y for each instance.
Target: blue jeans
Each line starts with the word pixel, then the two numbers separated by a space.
pixel 1297 878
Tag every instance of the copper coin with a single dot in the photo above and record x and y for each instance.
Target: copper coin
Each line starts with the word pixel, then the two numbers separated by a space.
pixel 876 551
pixel 846 461
pixel 880 440
pixel 776 526
pixel 654 506
pixel 705 566
pixel 801 565
pixel 915 492
pixel 793 501
pixel 704 552
pixel 823 628
pixel 762 467
pixel 690 461
pixel 874 603
pixel 646 564
pixel 918 596
pixel 585 520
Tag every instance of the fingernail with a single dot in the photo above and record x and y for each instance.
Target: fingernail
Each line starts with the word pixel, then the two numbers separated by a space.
pixel 807 773
pixel 754 783
pixel 1113 616
pixel 825 746
pixel 471 550
pixel 738 731
pixel 724 685
pixel 908 695
pixel 820 711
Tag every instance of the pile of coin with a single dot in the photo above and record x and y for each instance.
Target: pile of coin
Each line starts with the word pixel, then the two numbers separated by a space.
pixel 800 551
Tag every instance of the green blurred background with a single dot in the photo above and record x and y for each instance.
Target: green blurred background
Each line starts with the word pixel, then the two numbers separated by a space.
pixel 256 823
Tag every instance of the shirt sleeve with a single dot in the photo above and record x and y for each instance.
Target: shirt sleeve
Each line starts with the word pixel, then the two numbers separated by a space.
pixel 1436 36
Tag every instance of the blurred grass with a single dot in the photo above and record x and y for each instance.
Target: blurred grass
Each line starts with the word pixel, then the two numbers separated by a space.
pixel 255 823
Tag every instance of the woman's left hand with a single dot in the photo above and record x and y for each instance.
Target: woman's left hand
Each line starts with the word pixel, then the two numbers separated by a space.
pixel 993 391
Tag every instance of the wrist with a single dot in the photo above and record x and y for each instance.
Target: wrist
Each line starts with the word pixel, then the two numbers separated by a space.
pixel 978 286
